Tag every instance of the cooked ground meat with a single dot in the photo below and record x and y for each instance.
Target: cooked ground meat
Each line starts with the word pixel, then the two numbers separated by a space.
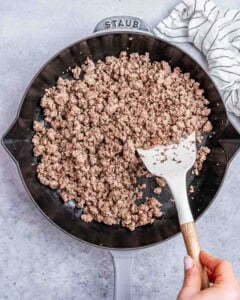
pixel 96 123
pixel 191 189
pixel 157 190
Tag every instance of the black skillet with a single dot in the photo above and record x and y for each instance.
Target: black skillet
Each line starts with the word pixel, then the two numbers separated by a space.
pixel 223 142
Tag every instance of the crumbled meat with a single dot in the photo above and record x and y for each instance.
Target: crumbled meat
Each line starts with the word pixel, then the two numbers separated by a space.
pixel 98 121
pixel 201 157
pixel 37 126
pixel 157 190
pixel 207 127
pixel 191 189
pixel 161 182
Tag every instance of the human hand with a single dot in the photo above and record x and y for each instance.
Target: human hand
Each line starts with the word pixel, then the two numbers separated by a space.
pixel 225 284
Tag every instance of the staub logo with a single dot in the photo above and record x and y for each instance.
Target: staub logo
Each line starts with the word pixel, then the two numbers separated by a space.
pixel 121 22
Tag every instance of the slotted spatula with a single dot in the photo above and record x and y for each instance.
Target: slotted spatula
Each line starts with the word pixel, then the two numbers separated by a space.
pixel 172 163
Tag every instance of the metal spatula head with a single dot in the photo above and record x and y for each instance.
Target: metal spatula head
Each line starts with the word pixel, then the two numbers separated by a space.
pixel 166 161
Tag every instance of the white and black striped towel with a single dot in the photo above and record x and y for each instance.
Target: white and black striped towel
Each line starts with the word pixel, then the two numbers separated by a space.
pixel 216 33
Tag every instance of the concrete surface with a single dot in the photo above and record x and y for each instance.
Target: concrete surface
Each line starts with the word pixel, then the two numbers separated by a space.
pixel 37 261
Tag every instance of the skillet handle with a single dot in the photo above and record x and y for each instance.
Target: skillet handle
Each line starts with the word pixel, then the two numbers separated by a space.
pixel 122 23
pixel 190 236
pixel 122 261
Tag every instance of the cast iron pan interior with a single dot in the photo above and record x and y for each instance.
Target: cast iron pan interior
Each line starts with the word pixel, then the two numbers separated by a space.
pixel 18 142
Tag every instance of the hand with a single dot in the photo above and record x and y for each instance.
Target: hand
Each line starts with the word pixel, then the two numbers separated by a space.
pixel 225 284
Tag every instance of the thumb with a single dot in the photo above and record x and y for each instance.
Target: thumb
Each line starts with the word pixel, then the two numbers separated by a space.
pixel 192 279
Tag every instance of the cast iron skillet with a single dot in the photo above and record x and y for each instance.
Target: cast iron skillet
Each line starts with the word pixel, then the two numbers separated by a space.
pixel 223 142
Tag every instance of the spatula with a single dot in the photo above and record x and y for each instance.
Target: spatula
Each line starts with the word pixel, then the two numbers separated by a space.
pixel 172 163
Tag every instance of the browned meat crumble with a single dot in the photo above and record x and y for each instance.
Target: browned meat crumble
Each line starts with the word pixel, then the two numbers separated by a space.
pixel 97 122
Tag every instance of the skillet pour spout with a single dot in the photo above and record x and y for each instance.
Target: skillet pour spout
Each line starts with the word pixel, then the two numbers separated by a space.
pixel 230 141
pixel 17 139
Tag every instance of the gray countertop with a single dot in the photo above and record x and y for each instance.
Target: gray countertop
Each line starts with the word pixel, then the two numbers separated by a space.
pixel 37 261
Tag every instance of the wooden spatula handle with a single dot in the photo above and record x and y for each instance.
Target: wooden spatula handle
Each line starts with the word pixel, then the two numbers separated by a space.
pixel 190 236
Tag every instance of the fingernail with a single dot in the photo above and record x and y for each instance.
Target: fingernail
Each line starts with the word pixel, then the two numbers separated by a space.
pixel 188 262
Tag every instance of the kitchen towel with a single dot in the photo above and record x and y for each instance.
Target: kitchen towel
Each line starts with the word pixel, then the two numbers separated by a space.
pixel 216 33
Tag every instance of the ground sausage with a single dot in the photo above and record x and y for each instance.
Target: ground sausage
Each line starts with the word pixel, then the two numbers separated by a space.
pixel 97 120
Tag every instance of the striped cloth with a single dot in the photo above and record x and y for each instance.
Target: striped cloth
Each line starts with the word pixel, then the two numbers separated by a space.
pixel 216 33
